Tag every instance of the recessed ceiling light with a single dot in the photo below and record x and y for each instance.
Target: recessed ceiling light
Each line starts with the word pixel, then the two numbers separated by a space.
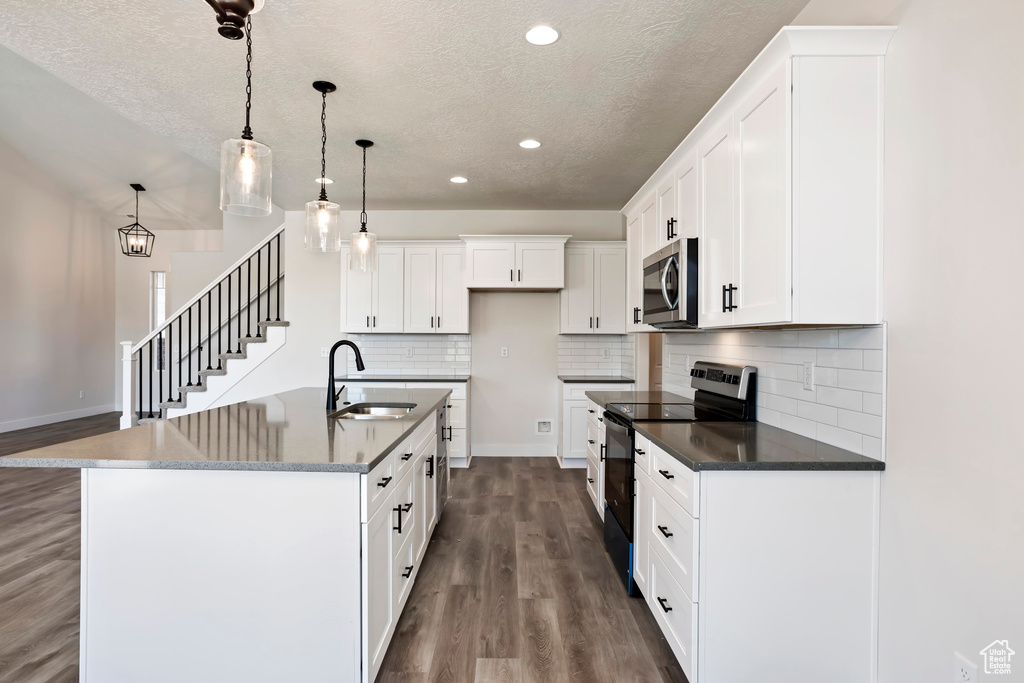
pixel 325 181
pixel 542 35
pixel 529 144
pixel 458 179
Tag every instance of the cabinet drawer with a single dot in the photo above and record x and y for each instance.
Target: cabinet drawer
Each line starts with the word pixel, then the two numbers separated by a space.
pixel 404 456
pixel 675 534
pixel 642 453
pixel 593 435
pixel 676 478
pixel 404 573
pixel 594 486
pixel 676 615
pixel 457 413
pixel 580 390
pixel 405 522
pixel 377 485
pixel 457 447
pixel 458 389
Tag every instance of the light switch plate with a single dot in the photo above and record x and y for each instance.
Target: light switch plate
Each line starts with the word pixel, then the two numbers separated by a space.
pixel 408 352
pixel 324 351
pixel 504 352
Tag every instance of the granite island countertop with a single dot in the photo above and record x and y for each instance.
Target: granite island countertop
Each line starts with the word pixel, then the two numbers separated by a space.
pixel 282 432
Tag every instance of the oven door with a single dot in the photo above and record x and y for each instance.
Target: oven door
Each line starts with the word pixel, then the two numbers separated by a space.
pixel 618 470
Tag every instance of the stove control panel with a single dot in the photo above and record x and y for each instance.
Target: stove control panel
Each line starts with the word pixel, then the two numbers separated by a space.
pixel 726 380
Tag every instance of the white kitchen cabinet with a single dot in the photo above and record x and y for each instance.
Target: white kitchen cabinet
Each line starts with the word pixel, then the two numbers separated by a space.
pixel 649 229
pixel 594 298
pixel 378 600
pixel 374 300
pixel 435 299
pixel 573 417
pixel 635 275
pixel 535 262
pixel 788 178
pixel 666 211
pixel 641 530
pixel 575 437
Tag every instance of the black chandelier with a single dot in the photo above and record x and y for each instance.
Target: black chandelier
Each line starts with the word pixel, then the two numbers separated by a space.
pixel 135 239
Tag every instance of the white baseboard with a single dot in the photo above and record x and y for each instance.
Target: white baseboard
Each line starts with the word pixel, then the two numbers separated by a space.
pixel 574 463
pixel 515 451
pixel 41 420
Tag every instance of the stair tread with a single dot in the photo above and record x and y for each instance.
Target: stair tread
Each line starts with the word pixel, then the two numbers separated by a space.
pixel 192 389
pixel 253 340
pixel 274 323
pixel 214 371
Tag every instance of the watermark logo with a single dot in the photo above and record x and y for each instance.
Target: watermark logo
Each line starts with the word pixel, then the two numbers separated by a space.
pixel 997 657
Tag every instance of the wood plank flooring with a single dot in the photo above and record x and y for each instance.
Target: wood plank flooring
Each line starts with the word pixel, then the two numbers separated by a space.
pixel 516 588
pixel 39 557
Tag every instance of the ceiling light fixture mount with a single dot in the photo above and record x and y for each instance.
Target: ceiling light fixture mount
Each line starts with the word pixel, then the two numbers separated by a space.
pixel 232 14
pixel 541 35
pixel 323 217
pixel 135 239
pixel 363 256
pixel 529 144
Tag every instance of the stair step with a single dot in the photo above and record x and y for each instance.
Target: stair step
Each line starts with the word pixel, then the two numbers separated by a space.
pixel 172 404
pixel 192 389
pixel 274 323
pixel 147 420
pixel 214 371
pixel 254 340
pixel 231 354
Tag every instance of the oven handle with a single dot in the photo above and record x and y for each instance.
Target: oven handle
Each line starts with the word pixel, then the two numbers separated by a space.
pixel 672 305
pixel 616 422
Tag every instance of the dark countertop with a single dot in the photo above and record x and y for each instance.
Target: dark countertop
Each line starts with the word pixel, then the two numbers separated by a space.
pixel 282 432
pixel 603 398
pixel 363 379
pixel 583 379
pixel 749 446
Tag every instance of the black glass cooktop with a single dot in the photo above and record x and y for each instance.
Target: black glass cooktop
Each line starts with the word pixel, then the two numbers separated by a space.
pixel 672 412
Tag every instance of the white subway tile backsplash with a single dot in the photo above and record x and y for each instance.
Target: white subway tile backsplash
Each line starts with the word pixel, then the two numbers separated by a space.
pixel 869 425
pixel 431 354
pixel 819 339
pixel 817 412
pixel 840 398
pixel 792 423
pixel 840 358
pixel 843 438
pixel 595 354
pixel 861 338
pixel 873 404
pixel 861 380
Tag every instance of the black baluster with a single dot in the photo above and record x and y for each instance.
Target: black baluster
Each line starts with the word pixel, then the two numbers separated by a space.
pixel 167 362
pixel 140 383
pixel 209 330
pixel 239 310
pixel 248 298
pixel 259 251
pixel 279 276
pixel 220 319
pixel 179 359
pixel 199 344
pixel 188 351
pixel 268 282
pixel 162 348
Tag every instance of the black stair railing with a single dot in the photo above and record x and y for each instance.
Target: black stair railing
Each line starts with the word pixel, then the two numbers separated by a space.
pixel 169 363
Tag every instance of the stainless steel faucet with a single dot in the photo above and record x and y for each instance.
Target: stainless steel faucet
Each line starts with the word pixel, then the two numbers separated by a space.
pixel 332 396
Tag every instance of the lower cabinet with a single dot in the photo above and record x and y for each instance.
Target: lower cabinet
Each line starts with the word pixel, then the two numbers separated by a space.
pixel 378 593
pixel 574 413
pixel 641 529
pixel 674 612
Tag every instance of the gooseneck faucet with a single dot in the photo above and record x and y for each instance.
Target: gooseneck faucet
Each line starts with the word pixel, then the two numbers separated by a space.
pixel 332 397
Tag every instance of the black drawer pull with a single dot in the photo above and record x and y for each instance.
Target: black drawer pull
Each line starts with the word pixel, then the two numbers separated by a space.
pixel 638 451
pixel 666 474
pixel 430 472
pixel 589 480
pixel 664 531
pixel 406 456
pixel 408 571
pixel 590 411
pixel 399 511
pixel 602 452
pixel 384 482
pixel 663 602
pixel 408 506
pixel 600 419
pixel 591 441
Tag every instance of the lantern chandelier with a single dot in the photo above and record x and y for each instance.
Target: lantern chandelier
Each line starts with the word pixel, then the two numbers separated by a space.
pixel 135 239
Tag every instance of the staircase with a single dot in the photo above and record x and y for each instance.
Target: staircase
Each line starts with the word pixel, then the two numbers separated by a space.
pixel 201 351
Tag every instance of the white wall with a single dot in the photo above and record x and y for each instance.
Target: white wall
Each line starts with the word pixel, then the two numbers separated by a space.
pixel 56 300
pixel 952 556
pixel 510 394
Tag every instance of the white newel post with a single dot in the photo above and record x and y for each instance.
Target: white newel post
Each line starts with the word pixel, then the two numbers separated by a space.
pixel 127 386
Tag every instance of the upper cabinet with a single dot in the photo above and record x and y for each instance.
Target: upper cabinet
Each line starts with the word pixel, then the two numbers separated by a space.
pixel 515 262
pixel 635 275
pixel 594 298
pixel 374 301
pixel 781 184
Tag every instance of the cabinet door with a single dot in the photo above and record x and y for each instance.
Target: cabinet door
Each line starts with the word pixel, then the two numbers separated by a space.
pixel 649 228
pixel 388 291
pixel 452 298
pixel 426 475
pixel 424 484
pixel 379 586
pixel 717 244
pixel 764 239
pixel 576 429
pixel 666 211
pixel 609 290
pixel 540 265
pixel 420 290
pixel 635 275
pixel 576 300
pixel 686 197
pixel 358 298
pixel 490 265
pixel 457 447
pixel 642 531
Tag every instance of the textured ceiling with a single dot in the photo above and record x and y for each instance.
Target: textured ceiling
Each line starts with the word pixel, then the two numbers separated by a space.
pixel 444 87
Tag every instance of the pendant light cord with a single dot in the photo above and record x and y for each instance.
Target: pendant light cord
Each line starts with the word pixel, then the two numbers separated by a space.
pixel 247 131
pixel 323 151
pixel 362 216
pixel 136 207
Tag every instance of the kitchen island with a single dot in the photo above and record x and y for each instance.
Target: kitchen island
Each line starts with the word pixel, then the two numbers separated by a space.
pixel 261 541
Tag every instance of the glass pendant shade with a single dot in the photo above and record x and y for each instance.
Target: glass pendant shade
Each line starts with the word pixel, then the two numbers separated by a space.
pixel 363 253
pixel 323 226
pixel 245 175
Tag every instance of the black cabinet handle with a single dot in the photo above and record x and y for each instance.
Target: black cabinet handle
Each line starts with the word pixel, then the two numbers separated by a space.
pixel 590 411
pixel 591 441
pixel 430 472
pixel 520 275
pixel 598 319
pixel 406 456
pixel 600 419
pixel 602 452
pixel 591 322
pixel 590 480
pixel 375 321
pixel 431 322
pixel 664 531
pixel 638 451
pixel 725 293
pixel 732 290
pixel 636 315
pixel 367 322
pixel 438 322
pixel 408 506
pixel 384 482
pixel 665 473
pixel 399 511
pixel 663 602
pixel 408 571
pixel 449 433
pixel 512 275
pixel 671 228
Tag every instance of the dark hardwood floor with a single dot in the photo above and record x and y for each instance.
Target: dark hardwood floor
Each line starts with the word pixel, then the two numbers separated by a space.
pixel 515 587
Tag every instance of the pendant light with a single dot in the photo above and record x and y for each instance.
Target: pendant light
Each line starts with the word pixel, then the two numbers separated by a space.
pixel 245 165
pixel 135 239
pixel 231 15
pixel 323 222
pixel 364 244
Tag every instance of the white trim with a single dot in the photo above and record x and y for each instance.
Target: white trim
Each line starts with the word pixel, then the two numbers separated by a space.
pixel 26 422
pixel 515 450
pixel 515 238
pixel 574 463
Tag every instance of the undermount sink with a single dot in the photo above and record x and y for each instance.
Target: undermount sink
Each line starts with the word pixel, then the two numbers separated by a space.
pixel 373 411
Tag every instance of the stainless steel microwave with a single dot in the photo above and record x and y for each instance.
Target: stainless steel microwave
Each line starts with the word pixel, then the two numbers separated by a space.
pixel 670 286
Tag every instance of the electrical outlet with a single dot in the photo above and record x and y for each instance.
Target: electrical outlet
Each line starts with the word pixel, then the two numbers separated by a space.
pixel 543 427
pixel 688 366
pixel 504 352
pixel 81 394
pixel 324 351
pixel 808 376
pixel 606 353
pixel 964 671
pixel 408 352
